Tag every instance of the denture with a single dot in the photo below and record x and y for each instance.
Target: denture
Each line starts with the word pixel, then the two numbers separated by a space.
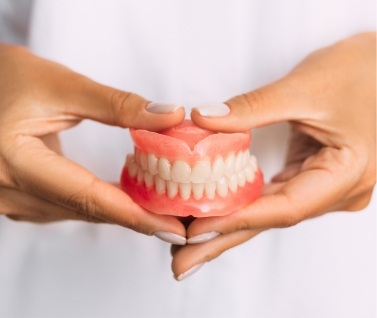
pixel 189 171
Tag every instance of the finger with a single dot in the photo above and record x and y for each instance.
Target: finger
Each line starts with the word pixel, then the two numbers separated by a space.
pixel 279 101
pixel 191 257
pixel 21 206
pixel 59 180
pixel 60 89
pixel 316 190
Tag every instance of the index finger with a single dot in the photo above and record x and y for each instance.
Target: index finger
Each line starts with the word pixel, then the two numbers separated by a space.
pixel 40 171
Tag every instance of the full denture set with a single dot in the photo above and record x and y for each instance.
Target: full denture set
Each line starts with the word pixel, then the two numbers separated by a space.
pixel 186 170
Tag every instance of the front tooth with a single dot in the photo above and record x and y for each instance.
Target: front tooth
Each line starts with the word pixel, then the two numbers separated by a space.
pixel 229 165
pixel 238 161
pixel 210 189
pixel 201 172
pixel 152 164
pixel 140 176
pixel 172 188
pixel 185 190
pixel 132 170
pixel 148 179
pixel 233 182
pixel 160 185
pixel 222 187
pixel 249 173
pixel 241 178
pixel 180 172
pixel 197 190
pixel 144 161
pixel 164 168
pixel 245 158
pixel 218 168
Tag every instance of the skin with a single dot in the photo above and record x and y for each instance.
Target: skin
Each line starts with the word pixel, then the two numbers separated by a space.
pixel 39 99
pixel 330 102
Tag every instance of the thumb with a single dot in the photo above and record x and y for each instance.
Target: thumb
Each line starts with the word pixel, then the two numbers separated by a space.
pixel 270 104
pixel 89 99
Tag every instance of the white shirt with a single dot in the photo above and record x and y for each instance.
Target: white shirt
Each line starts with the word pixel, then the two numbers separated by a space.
pixel 189 52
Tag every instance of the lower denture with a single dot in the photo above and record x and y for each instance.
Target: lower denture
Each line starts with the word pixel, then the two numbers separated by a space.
pixel 186 170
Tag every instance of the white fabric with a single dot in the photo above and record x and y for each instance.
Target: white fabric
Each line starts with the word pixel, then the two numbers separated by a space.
pixel 188 52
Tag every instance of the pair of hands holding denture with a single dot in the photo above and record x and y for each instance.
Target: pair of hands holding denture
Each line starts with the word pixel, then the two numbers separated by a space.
pixel 328 99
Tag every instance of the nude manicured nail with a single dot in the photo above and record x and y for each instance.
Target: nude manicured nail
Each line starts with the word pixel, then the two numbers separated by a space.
pixel 190 272
pixel 213 110
pixel 201 238
pixel 170 237
pixel 162 107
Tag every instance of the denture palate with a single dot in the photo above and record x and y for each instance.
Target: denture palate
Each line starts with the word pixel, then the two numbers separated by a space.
pixel 201 179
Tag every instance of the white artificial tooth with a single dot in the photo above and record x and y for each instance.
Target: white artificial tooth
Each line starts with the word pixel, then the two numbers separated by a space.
pixel 245 158
pixel 160 185
pixel 210 189
pixel 218 168
pixel 130 158
pixel 144 161
pixel 249 173
pixel 133 168
pixel 140 176
pixel 172 188
pixel 148 180
pixel 233 182
pixel 152 164
pixel 198 190
pixel 238 161
pixel 164 168
pixel 253 162
pixel 185 190
pixel 181 171
pixel 222 187
pixel 201 172
pixel 229 165
pixel 137 156
pixel 241 178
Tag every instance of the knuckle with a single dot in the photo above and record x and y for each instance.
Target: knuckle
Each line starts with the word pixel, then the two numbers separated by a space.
pixel 85 202
pixel 119 101
pixel 289 219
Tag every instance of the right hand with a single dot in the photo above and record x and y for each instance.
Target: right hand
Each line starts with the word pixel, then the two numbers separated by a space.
pixel 39 99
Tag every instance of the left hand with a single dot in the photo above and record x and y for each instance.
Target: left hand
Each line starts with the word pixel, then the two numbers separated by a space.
pixel 329 100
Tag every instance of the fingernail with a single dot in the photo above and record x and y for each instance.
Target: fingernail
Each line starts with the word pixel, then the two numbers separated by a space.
pixel 190 272
pixel 213 110
pixel 162 107
pixel 170 237
pixel 201 238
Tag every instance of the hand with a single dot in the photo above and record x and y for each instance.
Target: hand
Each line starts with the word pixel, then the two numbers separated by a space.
pixel 40 98
pixel 329 100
